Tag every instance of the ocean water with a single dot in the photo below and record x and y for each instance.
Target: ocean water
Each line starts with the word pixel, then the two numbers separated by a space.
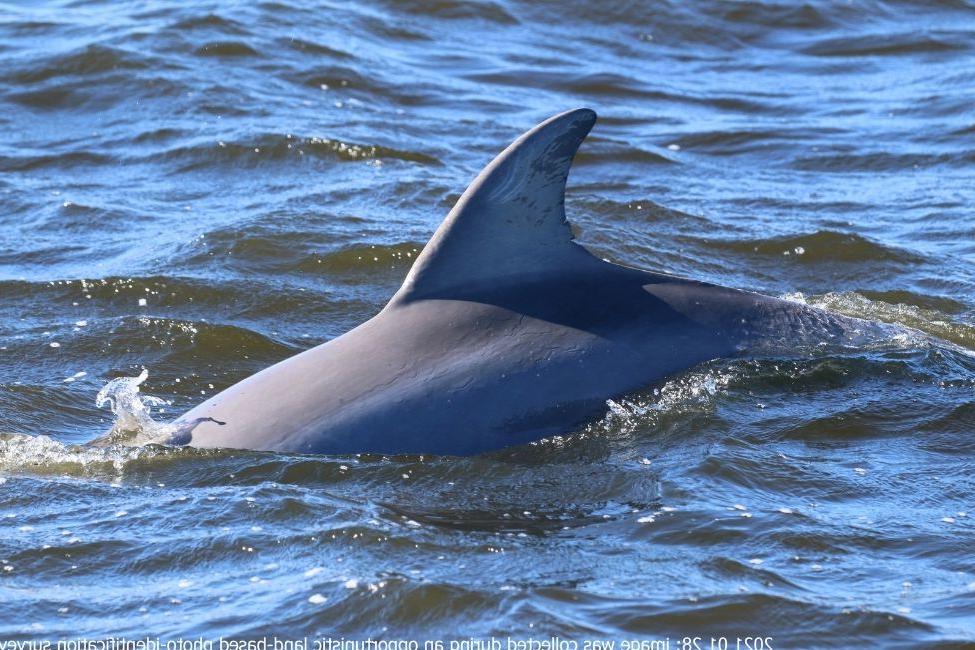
pixel 192 191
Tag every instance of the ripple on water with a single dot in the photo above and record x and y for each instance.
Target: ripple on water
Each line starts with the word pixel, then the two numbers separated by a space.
pixel 202 191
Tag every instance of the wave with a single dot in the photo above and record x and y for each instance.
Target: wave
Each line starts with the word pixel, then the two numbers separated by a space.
pixel 681 397
pixel 914 42
pixel 275 148
pixel 260 150
pixel 357 258
pixel 44 454
pixel 818 247
pixel 487 11
pixel 880 161
pixel 86 61
pixel 916 318
pixel 225 49
pixel 799 491
pixel 64 160
pixel 734 142
pixel 205 301
pixel 210 22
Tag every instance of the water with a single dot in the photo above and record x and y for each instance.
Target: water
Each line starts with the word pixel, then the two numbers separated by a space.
pixel 198 191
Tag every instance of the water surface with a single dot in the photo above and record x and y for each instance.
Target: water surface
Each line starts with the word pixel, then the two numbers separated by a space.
pixel 201 189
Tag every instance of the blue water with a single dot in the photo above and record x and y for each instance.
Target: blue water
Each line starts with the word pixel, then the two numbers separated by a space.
pixel 202 189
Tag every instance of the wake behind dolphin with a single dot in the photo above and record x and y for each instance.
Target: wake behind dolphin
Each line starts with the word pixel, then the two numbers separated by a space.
pixel 505 331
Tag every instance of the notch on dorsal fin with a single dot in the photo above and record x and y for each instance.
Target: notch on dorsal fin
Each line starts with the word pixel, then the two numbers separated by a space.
pixel 510 222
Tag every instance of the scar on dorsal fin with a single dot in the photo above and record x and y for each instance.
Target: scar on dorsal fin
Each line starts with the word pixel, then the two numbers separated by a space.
pixel 510 222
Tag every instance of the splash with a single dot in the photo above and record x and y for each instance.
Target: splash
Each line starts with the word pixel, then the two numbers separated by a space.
pixel 132 429
pixel 134 425
pixel 44 454
pixel 693 392
pixel 904 326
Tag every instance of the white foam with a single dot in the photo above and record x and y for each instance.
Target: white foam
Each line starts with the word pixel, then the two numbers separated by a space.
pixel 694 391
pixel 18 451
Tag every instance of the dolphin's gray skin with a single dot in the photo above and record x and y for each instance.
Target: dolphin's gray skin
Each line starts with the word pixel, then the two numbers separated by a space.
pixel 505 331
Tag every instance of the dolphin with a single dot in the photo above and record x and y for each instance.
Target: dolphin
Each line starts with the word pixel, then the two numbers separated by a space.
pixel 505 331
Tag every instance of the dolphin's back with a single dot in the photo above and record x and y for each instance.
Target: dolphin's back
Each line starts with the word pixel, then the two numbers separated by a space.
pixel 504 331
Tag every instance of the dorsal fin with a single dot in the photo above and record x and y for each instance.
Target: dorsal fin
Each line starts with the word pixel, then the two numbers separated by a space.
pixel 511 220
